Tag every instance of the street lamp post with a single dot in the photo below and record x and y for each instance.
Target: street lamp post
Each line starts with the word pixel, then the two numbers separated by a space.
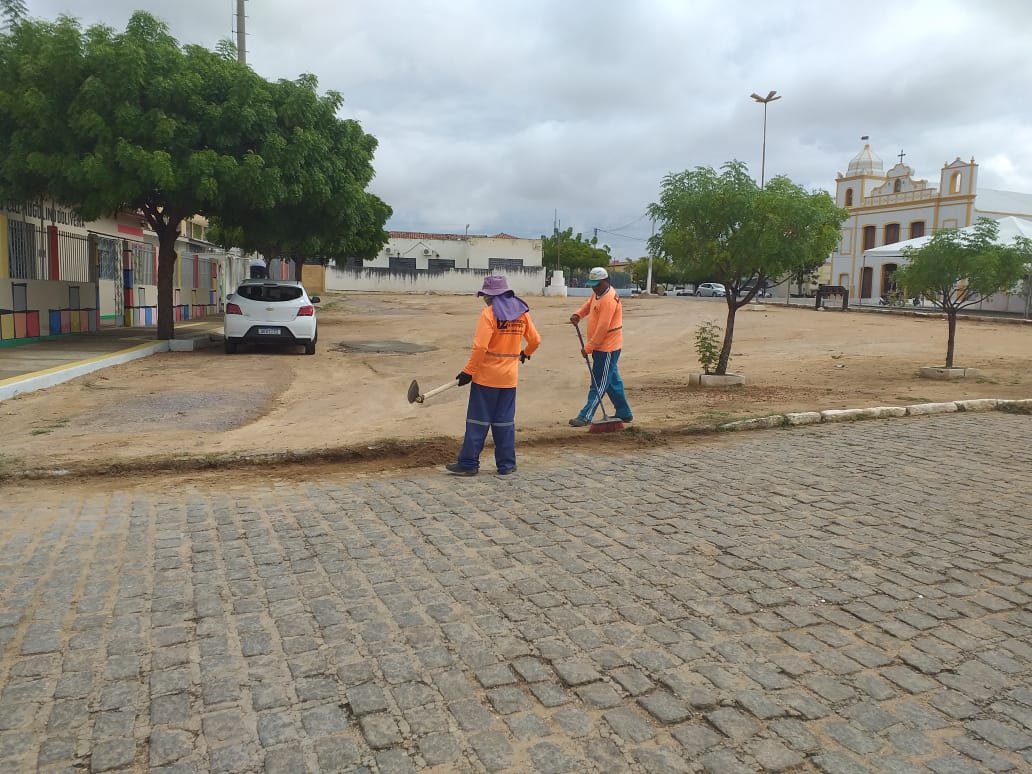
pixel 763 159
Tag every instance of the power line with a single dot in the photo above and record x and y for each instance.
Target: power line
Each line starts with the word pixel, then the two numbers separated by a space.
pixel 626 225
pixel 623 236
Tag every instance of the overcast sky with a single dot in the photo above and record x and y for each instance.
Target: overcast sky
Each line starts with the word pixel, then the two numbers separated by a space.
pixel 501 113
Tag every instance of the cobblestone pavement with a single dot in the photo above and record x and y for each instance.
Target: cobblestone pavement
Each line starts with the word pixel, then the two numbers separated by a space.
pixel 837 598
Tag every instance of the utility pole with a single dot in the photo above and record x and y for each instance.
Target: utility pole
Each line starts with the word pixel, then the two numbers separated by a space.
pixel 648 280
pixel 241 32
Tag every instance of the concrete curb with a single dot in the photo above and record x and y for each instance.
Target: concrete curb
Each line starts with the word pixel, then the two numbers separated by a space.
pixel 41 380
pixel 63 373
pixel 878 412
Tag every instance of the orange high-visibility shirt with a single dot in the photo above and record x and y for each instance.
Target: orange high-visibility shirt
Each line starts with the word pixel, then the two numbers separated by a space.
pixel 495 359
pixel 605 322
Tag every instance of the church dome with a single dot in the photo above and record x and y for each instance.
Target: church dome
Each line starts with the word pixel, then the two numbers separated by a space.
pixel 866 163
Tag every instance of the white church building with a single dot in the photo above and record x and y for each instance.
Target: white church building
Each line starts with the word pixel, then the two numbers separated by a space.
pixel 886 208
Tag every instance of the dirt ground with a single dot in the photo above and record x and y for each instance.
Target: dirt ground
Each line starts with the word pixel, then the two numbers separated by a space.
pixel 347 404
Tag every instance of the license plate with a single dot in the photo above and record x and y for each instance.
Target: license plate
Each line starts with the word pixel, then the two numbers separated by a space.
pixel 268 331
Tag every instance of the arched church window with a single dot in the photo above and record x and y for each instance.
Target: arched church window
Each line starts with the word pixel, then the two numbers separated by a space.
pixel 849 197
pixel 955 183
pixel 897 185
pixel 891 233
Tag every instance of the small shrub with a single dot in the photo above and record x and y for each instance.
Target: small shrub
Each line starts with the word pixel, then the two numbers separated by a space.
pixel 707 345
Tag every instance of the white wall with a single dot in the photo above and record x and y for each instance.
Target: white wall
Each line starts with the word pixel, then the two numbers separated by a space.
pixel 473 252
pixel 530 282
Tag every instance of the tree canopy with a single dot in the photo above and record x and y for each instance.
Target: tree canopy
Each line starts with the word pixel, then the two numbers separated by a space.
pixel 724 227
pixel 574 252
pixel 958 268
pixel 11 12
pixel 106 122
pixel 325 211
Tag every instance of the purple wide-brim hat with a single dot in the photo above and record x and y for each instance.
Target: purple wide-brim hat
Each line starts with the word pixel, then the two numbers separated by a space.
pixel 494 285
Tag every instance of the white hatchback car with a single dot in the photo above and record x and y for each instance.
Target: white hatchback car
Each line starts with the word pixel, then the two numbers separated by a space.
pixel 710 289
pixel 273 311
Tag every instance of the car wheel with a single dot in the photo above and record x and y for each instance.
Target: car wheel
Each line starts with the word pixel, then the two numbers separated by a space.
pixel 698 293
pixel 231 347
pixel 310 347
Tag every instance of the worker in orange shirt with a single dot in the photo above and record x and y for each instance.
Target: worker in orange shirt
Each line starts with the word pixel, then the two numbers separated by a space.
pixel 493 369
pixel 604 313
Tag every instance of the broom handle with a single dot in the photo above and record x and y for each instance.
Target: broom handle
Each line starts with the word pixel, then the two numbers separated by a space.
pixel 591 373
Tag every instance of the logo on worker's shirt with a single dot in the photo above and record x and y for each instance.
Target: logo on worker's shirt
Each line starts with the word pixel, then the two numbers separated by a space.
pixel 511 326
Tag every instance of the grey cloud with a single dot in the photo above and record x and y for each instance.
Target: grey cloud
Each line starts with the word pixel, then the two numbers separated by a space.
pixel 499 114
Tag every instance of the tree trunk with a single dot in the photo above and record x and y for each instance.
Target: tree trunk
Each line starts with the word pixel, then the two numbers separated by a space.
pixel 167 233
pixel 951 317
pixel 729 332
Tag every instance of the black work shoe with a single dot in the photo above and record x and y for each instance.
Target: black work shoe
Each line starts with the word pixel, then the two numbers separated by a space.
pixel 507 472
pixel 578 422
pixel 457 470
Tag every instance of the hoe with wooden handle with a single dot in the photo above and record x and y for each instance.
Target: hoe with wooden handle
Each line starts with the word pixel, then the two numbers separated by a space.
pixel 415 396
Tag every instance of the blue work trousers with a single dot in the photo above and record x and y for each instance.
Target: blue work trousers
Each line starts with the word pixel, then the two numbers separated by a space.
pixel 607 378
pixel 491 408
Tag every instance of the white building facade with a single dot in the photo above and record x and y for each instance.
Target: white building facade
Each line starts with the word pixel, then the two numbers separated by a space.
pixel 894 206
pixel 417 262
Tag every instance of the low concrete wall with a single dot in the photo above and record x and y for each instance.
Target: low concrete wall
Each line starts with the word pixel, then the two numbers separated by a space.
pixel 527 282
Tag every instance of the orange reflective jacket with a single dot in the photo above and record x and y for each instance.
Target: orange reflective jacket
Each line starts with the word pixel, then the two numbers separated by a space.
pixel 605 322
pixel 495 359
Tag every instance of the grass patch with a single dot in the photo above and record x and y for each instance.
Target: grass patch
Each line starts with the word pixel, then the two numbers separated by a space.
pixel 57 425
pixel 641 435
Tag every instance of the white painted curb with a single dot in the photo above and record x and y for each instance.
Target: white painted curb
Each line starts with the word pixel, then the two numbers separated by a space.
pixel 52 376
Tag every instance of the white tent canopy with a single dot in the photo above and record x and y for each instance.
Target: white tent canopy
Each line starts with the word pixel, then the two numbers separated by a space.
pixel 1010 227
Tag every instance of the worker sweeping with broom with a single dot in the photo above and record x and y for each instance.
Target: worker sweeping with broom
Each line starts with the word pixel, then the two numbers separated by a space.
pixel 493 368
pixel 604 313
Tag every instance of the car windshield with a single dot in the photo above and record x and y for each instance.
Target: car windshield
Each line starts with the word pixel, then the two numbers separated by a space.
pixel 269 292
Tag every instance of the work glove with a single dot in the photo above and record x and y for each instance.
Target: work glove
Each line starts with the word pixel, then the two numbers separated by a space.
pixel 524 357
pixel 574 319
pixel 464 379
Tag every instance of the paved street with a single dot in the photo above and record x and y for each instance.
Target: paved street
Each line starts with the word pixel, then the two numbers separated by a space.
pixel 837 598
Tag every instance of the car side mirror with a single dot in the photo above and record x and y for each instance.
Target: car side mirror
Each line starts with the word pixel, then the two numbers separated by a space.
pixel 315 299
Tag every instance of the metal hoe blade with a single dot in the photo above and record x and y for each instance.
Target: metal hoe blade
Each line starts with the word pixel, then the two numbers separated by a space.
pixel 413 393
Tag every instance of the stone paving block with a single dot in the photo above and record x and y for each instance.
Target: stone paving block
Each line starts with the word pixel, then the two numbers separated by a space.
pixel 380 731
pixel 629 725
pixel 494 752
pixel 333 612
pixel 771 755
pixel 733 724
pixel 575 672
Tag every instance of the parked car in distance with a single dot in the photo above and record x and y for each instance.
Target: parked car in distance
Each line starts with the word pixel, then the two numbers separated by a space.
pixel 764 293
pixel 270 311
pixel 710 289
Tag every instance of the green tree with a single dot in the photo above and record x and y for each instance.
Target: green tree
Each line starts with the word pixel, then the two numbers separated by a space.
pixel 575 253
pixel 724 227
pixel 12 12
pixel 133 121
pixel 958 268
pixel 325 213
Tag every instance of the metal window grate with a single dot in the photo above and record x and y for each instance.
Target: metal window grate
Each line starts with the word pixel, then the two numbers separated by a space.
pixel 143 263
pixel 73 251
pixel 110 268
pixel 25 242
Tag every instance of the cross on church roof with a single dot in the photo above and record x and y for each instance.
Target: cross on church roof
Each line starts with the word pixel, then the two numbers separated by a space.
pixel 901 155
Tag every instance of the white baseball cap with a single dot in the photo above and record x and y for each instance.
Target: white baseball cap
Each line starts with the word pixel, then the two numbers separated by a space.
pixel 596 275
